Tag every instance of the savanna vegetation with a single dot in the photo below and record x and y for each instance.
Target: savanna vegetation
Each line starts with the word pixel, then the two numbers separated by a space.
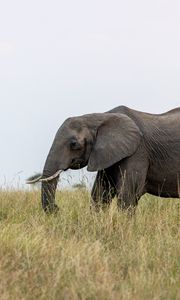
pixel 79 254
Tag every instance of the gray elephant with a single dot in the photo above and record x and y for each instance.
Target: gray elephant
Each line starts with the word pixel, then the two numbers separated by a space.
pixel 133 153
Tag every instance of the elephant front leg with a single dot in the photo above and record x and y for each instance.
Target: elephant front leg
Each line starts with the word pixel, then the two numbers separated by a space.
pixel 102 192
pixel 132 182
pixel 129 194
pixel 127 199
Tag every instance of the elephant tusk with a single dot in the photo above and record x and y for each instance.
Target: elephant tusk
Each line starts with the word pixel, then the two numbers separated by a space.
pixel 51 177
pixel 34 180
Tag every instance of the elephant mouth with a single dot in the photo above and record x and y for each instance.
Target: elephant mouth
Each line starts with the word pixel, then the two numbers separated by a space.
pixel 77 164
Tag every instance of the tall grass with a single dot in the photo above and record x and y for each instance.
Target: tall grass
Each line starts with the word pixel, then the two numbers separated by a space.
pixel 78 254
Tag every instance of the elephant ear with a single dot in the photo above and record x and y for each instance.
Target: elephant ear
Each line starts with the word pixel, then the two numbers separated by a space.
pixel 117 137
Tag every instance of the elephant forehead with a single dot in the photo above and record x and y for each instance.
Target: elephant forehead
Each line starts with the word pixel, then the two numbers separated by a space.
pixel 72 124
pixel 70 130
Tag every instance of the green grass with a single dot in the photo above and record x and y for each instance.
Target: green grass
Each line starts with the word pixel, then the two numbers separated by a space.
pixel 78 254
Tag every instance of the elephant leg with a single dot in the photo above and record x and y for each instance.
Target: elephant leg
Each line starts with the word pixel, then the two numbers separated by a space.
pixel 103 190
pixel 132 181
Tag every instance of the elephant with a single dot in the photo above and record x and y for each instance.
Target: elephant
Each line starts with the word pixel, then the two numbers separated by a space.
pixel 133 153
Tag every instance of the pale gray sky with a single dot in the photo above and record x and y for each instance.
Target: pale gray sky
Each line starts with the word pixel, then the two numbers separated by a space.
pixel 66 58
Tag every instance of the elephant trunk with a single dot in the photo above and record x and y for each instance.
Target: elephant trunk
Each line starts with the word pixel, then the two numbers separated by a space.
pixel 49 183
pixel 48 192
pixel 54 165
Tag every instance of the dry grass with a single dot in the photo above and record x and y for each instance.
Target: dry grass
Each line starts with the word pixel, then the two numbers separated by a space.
pixel 82 255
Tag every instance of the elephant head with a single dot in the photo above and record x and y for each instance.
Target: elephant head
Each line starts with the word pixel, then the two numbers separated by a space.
pixel 96 140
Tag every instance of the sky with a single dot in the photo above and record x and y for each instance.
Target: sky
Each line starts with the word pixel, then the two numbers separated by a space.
pixel 67 58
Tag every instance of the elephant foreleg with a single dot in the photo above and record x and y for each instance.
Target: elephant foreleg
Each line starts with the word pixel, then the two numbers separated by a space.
pixel 132 181
pixel 103 191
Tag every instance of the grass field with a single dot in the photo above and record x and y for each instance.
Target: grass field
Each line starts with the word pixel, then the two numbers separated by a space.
pixel 82 255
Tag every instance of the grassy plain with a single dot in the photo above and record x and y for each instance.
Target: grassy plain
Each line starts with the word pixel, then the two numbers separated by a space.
pixel 82 255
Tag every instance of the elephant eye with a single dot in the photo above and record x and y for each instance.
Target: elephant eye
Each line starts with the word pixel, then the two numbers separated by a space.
pixel 75 145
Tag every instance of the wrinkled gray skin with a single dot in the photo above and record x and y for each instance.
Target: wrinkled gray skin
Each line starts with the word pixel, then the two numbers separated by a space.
pixel 134 153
